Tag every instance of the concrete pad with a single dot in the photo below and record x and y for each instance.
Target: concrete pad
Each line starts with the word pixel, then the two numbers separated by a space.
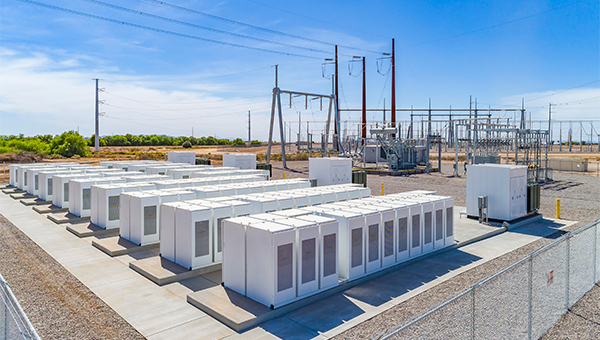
pixel 33 201
pixel 204 327
pixel 280 328
pixel 12 190
pixel 48 208
pixel 116 245
pixel 89 229
pixel 188 286
pixel 147 307
pixel 23 195
pixel 162 271
pixel 66 217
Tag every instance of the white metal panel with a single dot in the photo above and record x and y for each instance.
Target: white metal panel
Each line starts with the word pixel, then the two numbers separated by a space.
pixel 307 255
pixel 351 262
pixel 193 234
pixel 167 230
pixel 271 263
pixel 328 249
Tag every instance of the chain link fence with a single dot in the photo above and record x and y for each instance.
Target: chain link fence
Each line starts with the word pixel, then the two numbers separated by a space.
pixel 14 324
pixel 520 302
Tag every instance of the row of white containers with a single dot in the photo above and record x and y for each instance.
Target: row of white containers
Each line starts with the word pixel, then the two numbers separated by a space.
pixel 139 213
pixel 105 201
pixel 19 175
pixel 279 258
pixel 191 231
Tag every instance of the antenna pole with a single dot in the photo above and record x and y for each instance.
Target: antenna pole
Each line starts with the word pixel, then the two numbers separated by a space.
pixel 97 137
pixel 249 139
pixel 393 60
pixel 364 102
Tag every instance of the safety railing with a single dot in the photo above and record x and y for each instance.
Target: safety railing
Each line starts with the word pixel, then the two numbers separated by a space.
pixel 14 324
pixel 522 301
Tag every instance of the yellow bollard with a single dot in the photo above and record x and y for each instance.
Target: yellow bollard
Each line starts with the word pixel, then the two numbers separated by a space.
pixel 558 208
pixel 284 175
pixel 382 190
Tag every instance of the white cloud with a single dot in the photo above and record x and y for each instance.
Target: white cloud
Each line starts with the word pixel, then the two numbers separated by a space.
pixel 41 93
pixel 575 104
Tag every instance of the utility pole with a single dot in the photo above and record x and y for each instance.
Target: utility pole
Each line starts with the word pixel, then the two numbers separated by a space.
pixel 336 115
pixel 364 101
pixel 393 60
pixel 97 136
pixel 249 139
pixel 550 123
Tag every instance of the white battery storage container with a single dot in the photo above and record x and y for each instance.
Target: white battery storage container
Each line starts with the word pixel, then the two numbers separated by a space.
pixel 328 249
pixel 22 183
pixel 330 170
pixel 220 212
pixel 307 255
pixel 106 204
pixel 193 236
pixel 167 218
pixel 33 179
pixel 387 234
pixel 427 206
pixel 240 160
pixel 60 188
pixel 290 213
pixel 80 193
pixel 46 182
pixel 271 263
pixel 144 215
pixel 504 185
pixel 234 252
pixel 351 260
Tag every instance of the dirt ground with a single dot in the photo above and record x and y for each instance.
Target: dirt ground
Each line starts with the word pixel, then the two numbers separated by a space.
pixel 58 305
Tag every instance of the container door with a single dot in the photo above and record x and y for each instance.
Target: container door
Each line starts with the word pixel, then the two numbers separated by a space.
pixel 415 228
pixel 356 247
pixel 438 211
pixel 389 238
pixel 403 242
pixel 329 249
pixel 427 227
pixel 373 254
pixel 449 219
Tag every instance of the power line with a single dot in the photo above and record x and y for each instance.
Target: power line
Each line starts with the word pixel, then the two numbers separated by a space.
pixel 318 20
pixel 128 10
pixel 230 21
pixel 158 30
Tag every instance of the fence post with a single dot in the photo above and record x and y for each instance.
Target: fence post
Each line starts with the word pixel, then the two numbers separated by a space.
pixel 6 320
pixel 473 313
pixel 530 296
pixel 595 250
pixel 567 272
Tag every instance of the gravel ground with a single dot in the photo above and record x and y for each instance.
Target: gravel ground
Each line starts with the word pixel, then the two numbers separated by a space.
pixel 58 305
pixel 61 307
pixel 579 202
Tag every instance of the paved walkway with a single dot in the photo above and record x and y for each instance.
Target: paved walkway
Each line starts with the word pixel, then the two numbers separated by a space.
pixel 163 313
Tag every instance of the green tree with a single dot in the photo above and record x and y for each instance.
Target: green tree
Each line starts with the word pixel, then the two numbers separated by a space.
pixel 210 140
pixel 69 144
pixel 186 144
pixel 238 141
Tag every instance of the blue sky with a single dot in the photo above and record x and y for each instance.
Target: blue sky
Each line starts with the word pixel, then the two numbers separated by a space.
pixel 496 51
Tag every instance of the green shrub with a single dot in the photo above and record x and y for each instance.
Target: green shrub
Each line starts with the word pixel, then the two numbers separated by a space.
pixel 238 141
pixel 255 142
pixel 186 144
pixel 69 144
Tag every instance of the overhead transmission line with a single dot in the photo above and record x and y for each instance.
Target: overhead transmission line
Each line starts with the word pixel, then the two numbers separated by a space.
pixel 158 30
pixel 210 29
pixel 239 23
pixel 318 20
